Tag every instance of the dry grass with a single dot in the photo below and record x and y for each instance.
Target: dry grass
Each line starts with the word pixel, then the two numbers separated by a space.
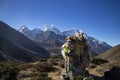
pixel 55 75
pixel 111 54
pixel 99 70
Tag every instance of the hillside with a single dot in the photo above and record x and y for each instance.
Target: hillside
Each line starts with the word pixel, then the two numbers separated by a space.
pixel 109 70
pixel 16 46
pixel 111 54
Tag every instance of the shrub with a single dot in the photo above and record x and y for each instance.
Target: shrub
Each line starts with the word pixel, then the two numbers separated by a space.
pixel 98 61
pixel 40 78
pixel 38 74
pixel 25 66
pixel 53 62
pixel 80 77
pixel 8 71
pixel 43 60
pixel 43 67
pixel 56 57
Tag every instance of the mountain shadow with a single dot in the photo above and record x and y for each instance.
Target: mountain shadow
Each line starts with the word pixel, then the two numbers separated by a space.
pixel 113 74
pixel 15 46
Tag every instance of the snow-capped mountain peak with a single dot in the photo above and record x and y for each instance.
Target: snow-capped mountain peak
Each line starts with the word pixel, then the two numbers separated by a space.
pixel 44 28
pixel 50 28
pixel 23 28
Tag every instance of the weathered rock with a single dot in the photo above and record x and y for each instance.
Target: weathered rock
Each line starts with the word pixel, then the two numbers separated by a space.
pixel 88 78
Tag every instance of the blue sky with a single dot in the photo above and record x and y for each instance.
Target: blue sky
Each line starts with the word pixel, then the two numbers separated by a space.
pixel 97 18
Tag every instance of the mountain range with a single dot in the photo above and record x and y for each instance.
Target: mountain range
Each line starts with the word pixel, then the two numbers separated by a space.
pixel 16 46
pixel 51 39
pixel 31 45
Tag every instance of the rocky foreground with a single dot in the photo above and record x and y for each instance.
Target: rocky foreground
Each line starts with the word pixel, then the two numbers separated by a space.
pixel 51 69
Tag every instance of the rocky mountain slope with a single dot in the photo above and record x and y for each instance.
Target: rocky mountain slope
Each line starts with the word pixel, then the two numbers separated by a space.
pixel 53 37
pixel 16 46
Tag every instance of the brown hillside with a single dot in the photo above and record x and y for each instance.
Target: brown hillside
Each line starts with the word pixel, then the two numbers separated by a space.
pixel 112 54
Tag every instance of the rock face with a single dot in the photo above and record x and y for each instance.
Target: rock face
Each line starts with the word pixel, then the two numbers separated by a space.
pixel 16 46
